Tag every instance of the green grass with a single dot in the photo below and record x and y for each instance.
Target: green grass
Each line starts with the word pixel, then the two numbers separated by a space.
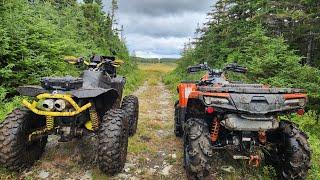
pixel 6 175
pixel 133 80
pixel 98 175
pixel 160 67
pixel 310 125
pixel 6 107
pixel 173 79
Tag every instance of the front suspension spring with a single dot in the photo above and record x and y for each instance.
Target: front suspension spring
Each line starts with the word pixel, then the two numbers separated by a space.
pixel 49 122
pixel 215 130
pixel 94 119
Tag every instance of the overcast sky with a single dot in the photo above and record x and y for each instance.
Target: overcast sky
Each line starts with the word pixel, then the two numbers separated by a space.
pixel 159 28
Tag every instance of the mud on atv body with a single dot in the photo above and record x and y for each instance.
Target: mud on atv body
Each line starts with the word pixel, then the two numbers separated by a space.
pixel 215 115
pixel 70 108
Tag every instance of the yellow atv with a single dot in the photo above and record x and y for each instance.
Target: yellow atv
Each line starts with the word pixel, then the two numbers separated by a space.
pixel 71 108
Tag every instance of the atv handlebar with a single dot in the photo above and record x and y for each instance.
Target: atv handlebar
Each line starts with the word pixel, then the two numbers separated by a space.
pixel 205 67
pixel 198 68
pixel 102 60
pixel 235 68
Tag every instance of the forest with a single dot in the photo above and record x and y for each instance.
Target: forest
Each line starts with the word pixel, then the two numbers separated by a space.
pixel 278 41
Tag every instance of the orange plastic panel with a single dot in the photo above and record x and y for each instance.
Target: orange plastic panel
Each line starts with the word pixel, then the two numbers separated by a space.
pixel 294 96
pixel 185 89
pixel 225 95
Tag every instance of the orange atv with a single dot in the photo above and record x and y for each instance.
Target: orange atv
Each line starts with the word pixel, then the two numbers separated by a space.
pixel 245 120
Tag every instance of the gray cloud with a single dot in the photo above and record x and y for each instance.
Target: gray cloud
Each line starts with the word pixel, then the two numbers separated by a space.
pixel 182 25
pixel 162 7
pixel 159 28
pixel 166 46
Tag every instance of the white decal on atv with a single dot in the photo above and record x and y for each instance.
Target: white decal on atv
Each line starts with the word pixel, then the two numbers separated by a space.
pixel 187 92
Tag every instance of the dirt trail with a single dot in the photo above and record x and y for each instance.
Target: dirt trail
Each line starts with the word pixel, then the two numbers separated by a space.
pixel 154 152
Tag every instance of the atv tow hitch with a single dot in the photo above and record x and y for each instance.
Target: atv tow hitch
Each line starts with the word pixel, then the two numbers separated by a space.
pixel 254 160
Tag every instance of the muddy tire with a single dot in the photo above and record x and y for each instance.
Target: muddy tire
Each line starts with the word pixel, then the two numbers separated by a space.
pixel 295 154
pixel 113 141
pixel 16 153
pixel 130 105
pixel 178 131
pixel 197 149
pixel 88 148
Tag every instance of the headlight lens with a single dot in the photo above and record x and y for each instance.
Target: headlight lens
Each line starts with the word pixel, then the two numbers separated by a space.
pixel 51 105
pixel 215 100
pixel 46 105
pixel 295 102
pixel 60 104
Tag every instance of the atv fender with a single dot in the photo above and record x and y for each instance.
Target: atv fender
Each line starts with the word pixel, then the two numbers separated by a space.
pixel 104 99
pixel 34 91
pixel 194 109
pixel 182 111
pixel 31 91
pixel 92 93
pixel 184 90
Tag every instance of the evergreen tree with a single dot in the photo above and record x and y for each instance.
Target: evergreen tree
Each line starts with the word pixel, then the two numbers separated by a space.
pixel 114 8
pixel 99 2
pixel 88 1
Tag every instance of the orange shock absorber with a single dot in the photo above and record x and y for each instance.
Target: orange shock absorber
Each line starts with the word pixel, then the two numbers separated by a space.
pixel 215 130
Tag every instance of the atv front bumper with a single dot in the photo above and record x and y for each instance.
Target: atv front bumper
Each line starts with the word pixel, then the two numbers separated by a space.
pixel 240 123
pixel 68 98
pixel 74 110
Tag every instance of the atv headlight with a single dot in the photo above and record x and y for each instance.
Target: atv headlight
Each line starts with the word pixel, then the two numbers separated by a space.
pixel 215 100
pixel 46 105
pixel 52 105
pixel 61 105
pixel 295 102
